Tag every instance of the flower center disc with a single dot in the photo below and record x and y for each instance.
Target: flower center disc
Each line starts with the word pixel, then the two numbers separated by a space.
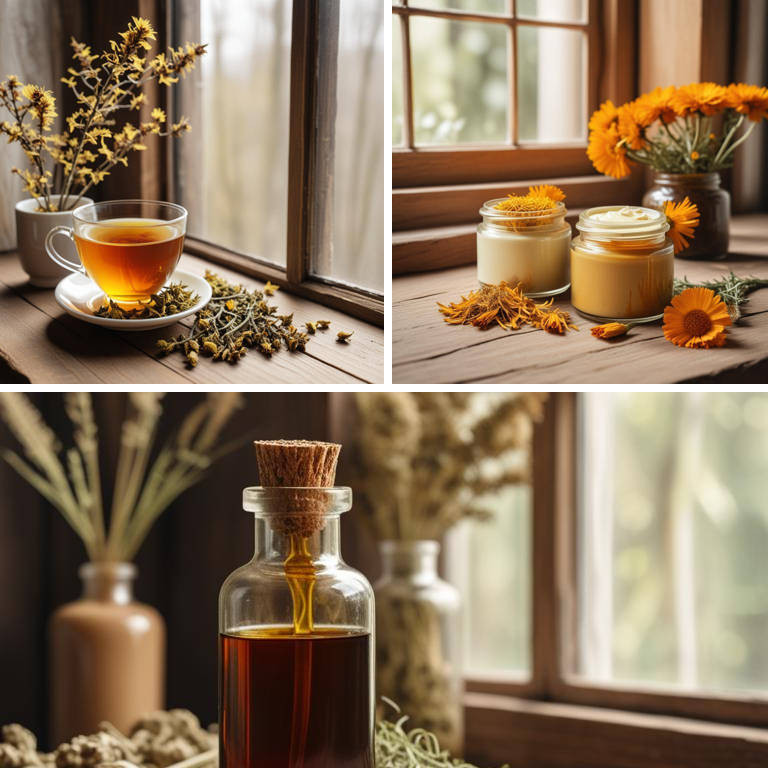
pixel 697 322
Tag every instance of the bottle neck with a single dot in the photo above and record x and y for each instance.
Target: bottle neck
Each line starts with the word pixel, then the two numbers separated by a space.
pixel 108 582
pixel 274 542
pixel 413 560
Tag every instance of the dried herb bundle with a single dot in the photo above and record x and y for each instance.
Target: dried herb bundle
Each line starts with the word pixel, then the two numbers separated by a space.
pixel 236 319
pixel 172 299
pixel 423 461
pixel 508 306
pixel 397 748
pixel 732 290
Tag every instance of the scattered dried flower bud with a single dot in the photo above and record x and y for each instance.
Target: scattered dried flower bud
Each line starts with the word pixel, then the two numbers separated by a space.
pixel 343 337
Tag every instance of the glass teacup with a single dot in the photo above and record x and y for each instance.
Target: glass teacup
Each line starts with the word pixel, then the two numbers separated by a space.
pixel 129 248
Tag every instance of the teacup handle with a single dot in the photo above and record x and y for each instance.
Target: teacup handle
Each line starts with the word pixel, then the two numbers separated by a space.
pixel 55 255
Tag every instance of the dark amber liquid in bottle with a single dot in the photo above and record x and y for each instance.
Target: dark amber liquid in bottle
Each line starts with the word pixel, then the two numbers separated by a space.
pixel 295 701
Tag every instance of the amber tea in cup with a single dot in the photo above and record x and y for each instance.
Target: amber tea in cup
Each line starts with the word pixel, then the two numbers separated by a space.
pixel 128 248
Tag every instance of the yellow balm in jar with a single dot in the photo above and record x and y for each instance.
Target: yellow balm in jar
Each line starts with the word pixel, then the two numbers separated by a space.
pixel 622 264
pixel 524 246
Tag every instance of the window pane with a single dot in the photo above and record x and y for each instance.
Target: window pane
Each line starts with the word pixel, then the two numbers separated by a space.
pixel 489 562
pixel 674 531
pixel 397 82
pixel 233 169
pixel 476 6
pixel 553 10
pixel 551 81
pixel 460 89
pixel 354 251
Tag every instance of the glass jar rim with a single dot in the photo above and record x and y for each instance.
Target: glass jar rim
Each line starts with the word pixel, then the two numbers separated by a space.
pixel 489 211
pixel 283 500
pixel 179 211
pixel 629 230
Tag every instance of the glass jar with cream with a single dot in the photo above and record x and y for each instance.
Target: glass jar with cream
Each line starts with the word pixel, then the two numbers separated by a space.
pixel 622 264
pixel 524 246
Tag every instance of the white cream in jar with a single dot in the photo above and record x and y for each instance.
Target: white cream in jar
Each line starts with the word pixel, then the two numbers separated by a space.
pixel 528 247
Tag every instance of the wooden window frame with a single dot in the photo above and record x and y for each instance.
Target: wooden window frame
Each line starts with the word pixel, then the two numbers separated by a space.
pixel 437 190
pixel 553 718
pixel 153 175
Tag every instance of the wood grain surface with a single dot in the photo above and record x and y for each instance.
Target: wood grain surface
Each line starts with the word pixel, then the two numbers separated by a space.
pixel 427 350
pixel 41 344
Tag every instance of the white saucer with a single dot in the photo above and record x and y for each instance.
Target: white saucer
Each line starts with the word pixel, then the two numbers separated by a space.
pixel 78 295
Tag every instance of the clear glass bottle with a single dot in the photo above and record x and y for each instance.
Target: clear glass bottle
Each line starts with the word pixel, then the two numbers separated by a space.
pixel 296 640
pixel 418 641
pixel 528 247
pixel 622 264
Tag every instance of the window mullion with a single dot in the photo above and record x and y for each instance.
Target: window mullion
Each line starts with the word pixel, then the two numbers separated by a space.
pixel 303 70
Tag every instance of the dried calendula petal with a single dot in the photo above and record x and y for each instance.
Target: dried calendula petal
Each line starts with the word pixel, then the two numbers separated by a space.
pixel 343 337
pixel 323 324
pixel 507 306
pixel 311 327
pixel 270 288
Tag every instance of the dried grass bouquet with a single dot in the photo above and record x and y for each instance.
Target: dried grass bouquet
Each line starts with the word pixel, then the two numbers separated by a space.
pixel 70 163
pixel 422 458
pixel 70 479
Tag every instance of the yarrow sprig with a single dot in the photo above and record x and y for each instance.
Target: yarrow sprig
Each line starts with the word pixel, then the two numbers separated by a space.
pixel 72 162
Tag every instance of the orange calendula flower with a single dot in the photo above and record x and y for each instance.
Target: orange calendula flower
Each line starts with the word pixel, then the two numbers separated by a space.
pixel 707 98
pixel 695 155
pixel 630 127
pixel 696 318
pixel 610 330
pixel 604 117
pixel 654 106
pixel 683 218
pixel 608 153
pixel 749 100
pixel 547 190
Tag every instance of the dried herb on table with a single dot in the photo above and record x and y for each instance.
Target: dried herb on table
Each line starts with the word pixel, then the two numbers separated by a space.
pixel 732 290
pixel 508 306
pixel 398 748
pixel 171 300
pixel 235 320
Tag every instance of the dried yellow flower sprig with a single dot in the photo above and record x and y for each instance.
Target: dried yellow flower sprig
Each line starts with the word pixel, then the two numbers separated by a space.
pixel 72 162
pixel 421 460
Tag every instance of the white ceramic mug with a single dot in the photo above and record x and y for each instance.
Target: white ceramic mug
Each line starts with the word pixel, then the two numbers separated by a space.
pixel 32 227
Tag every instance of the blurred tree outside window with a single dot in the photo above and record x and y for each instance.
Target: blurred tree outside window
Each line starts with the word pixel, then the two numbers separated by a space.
pixel 234 177
pixel 461 72
pixel 673 540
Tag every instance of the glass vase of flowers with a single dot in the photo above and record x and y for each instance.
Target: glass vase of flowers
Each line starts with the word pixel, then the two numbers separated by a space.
pixel 423 462
pixel 687 135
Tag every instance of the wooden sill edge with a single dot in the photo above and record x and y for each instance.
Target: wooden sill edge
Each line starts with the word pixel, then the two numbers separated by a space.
pixel 361 305
pixel 526 732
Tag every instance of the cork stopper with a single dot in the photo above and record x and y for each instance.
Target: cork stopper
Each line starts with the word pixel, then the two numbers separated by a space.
pixel 299 466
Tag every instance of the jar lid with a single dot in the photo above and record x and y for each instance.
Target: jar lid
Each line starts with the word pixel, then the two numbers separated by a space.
pixel 622 222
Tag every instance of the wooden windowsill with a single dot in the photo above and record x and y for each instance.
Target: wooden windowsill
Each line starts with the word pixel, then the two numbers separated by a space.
pixel 427 350
pixel 526 734
pixel 41 344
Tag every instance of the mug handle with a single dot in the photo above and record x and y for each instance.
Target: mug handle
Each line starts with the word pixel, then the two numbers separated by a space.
pixel 55 255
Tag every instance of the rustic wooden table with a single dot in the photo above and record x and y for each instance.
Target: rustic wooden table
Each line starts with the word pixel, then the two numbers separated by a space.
pixel 427 350
pixel 41 344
